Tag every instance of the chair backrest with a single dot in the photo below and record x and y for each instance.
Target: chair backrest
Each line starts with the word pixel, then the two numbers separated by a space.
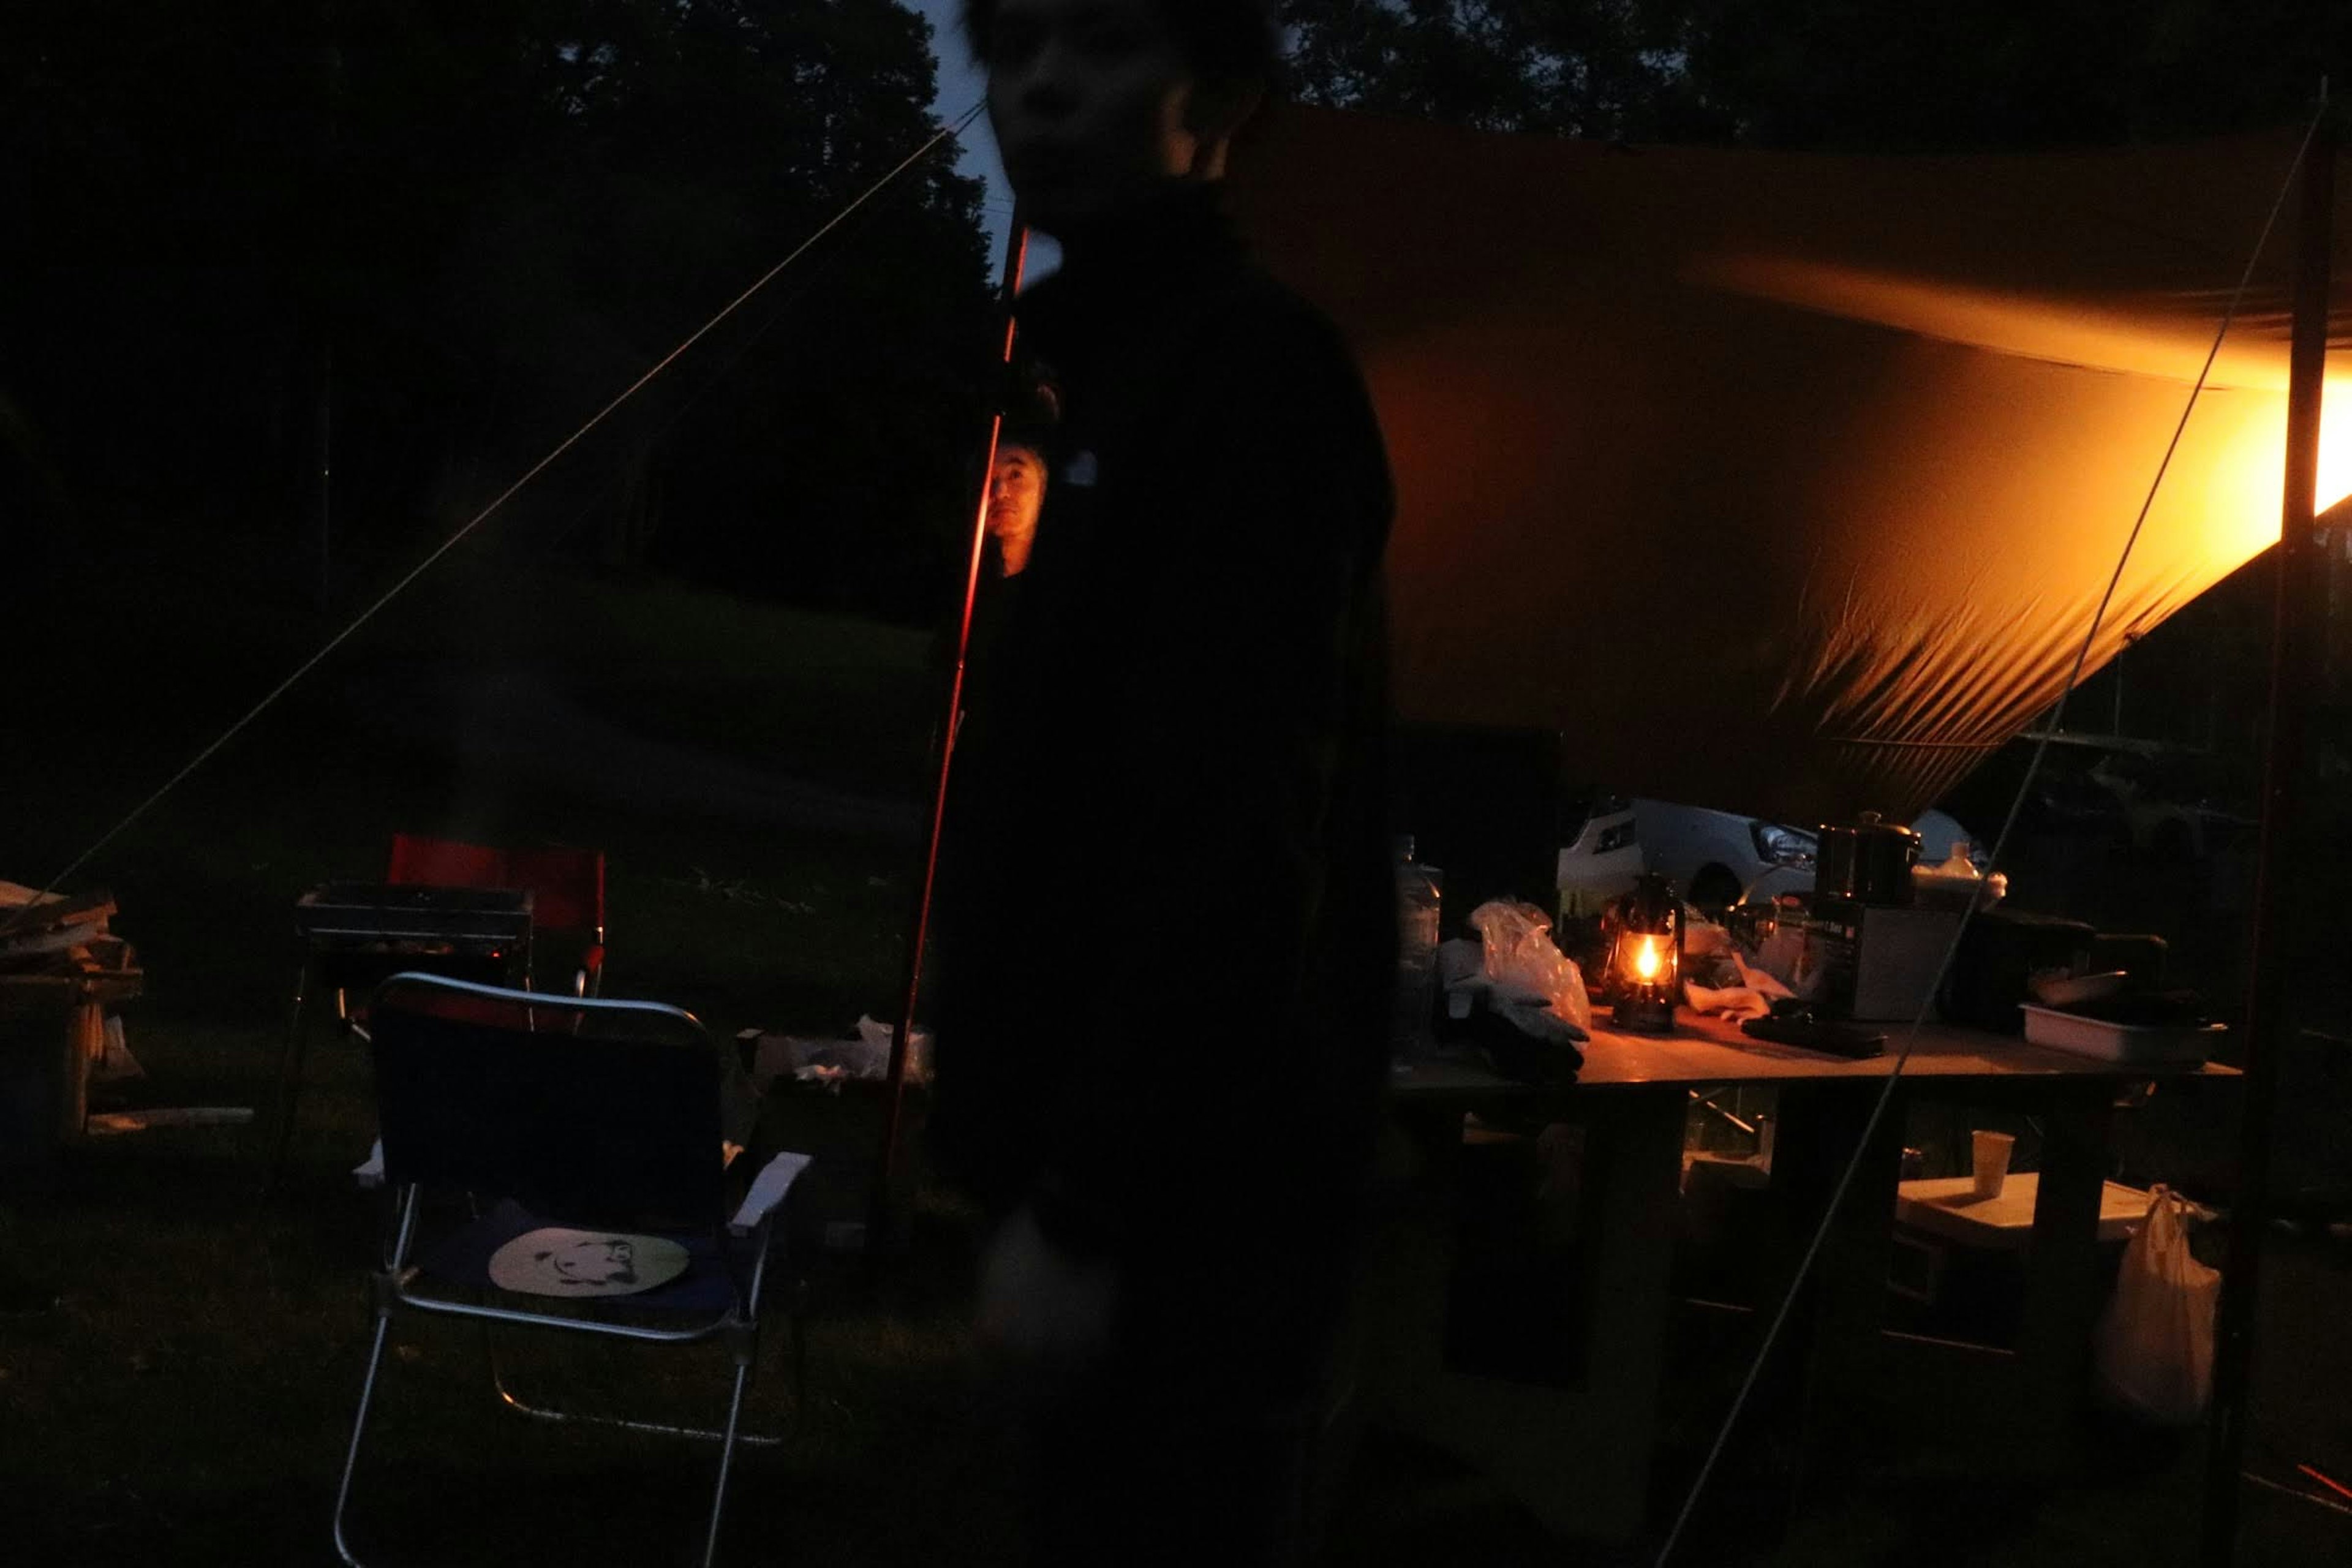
pixel 567 886
pixel 419 860
pixel 586 1111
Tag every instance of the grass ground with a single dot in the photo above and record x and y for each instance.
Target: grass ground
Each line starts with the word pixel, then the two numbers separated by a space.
pixel 185 1401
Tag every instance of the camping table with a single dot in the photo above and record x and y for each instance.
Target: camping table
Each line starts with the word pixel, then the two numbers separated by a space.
pixel 1579 1457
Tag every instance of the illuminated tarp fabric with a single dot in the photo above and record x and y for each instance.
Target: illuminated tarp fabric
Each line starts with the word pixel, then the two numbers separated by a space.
pixel 1782 481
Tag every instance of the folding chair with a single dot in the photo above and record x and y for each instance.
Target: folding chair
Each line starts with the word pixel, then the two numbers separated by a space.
pixel 567 888
pixel 602 1118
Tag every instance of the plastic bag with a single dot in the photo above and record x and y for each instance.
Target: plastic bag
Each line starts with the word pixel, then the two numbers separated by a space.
pixel 2153 1354
pixel 1751 998
pixel 833 1062
pixel 1520 957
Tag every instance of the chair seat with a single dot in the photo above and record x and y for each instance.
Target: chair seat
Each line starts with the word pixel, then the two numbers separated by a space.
pixel 706 1289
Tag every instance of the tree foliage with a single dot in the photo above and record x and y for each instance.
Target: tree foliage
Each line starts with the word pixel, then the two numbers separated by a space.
pixel 2010 73
pixel 1581 67
pixel 455 228
pixel 1826 73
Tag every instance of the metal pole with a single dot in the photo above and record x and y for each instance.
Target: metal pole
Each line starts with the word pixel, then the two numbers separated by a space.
pixel 2294 647
pixel 331 95
pixel 882 1211
pixel 326 478
pixel 2122 658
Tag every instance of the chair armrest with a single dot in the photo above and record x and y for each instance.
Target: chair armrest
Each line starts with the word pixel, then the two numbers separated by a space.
pixel 769 1189
pixel 369 1173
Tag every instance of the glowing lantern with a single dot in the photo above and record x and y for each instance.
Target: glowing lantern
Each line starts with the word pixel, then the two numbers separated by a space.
pixel 1645 960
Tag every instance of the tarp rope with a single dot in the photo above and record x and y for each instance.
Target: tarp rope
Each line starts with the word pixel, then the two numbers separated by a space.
pixel 2001 846
pixel 946 132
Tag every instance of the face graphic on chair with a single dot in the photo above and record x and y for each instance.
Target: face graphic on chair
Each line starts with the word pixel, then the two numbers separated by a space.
pixel 591 1261
pixel 554 1260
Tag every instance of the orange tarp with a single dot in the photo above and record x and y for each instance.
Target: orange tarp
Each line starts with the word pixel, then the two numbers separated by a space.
pixel 1780 481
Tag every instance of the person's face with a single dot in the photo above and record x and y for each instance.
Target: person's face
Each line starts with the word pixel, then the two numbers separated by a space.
pixel 1016 490
pixel 1093 105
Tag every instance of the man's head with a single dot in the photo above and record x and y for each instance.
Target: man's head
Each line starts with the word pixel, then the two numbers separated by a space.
pixel 1100 104
pixel 1016 492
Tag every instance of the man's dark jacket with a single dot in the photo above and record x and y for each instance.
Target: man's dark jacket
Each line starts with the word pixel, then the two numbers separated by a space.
pixel 1167 917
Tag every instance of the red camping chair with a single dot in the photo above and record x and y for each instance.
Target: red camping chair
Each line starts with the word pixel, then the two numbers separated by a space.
pixel 567 888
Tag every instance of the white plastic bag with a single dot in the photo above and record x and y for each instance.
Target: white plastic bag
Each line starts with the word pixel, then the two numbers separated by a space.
pixel 2153 1354
pixel 1520 957
pixel 832 1062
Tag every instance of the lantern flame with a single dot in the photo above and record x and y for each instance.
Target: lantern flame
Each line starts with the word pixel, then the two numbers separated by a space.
pixel 1646 959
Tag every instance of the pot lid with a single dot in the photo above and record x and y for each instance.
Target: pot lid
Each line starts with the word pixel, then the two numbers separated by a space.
pixel 1870 824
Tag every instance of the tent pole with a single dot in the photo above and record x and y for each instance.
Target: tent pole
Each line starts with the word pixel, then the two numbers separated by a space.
pixel 882 1222
pixel 2294 669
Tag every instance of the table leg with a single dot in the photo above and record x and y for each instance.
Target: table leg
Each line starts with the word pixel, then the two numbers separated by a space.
pixel 1829 1351
pixel 1857 1250
pixel 289 1078
pixel 1634 1153
pixel 2061 1283
pixel 1577 1457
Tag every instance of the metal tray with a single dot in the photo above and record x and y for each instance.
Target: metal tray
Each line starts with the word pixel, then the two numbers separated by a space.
pixel 2120 1041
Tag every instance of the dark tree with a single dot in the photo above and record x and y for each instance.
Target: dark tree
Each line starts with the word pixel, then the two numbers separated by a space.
pixel 2008 73
pixel 1827 73
pixel 459 226
pixel 1581 67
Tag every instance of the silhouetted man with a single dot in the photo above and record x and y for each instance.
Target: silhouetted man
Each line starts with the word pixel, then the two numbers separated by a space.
pixel 1167 918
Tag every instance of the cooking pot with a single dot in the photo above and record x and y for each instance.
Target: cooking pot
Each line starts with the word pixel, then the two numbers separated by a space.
pixel 1868 861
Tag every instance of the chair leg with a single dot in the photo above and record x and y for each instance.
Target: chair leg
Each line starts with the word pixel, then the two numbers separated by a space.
pixel 359 1425
pixel 726 1462
pixel 548 1413
pixel 289 1081
pixel 796 1324
pixel 515 1402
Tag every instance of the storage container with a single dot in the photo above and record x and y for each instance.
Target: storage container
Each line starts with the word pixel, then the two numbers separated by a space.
pixel 2156 1043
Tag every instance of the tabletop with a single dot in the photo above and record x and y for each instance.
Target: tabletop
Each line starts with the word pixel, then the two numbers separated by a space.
pixel 1712 1052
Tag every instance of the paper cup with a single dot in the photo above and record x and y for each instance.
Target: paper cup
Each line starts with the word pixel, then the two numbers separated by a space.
pixel 1992 1151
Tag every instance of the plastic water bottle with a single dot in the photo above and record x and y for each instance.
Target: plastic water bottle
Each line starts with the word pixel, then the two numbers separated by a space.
pixel 1420 893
